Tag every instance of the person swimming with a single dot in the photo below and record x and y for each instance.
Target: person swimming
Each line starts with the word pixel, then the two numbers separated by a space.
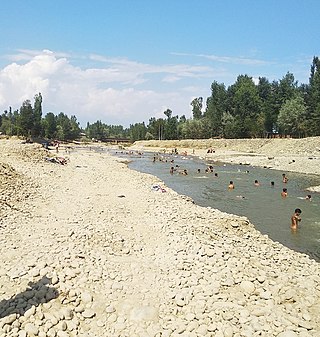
pixel 284 178
pixel 183 172
pixel 256 183
pixel 308 197
pixel 231 185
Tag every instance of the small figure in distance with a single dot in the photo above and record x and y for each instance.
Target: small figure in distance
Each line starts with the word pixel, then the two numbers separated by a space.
pixel 308 197
pixel 284 178
pixel 216 174
pixel 231 185
pixel 272 183
pixel 172 170
pixel 284 193
pixel 295 219
pixel 199 170
pixel 184 172
pixel 256 183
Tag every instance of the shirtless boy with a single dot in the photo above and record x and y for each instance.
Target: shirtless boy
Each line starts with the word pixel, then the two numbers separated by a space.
pixel 231 185
pixel 284 193
pixel 295 218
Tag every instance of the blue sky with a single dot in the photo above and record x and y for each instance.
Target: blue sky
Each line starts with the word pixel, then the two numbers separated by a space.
pixel 125 61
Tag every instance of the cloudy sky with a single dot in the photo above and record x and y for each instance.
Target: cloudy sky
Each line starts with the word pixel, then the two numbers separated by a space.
pixel 124 61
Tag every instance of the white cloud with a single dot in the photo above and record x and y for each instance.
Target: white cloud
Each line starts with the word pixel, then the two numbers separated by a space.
pixel 227 59
pixel 120 91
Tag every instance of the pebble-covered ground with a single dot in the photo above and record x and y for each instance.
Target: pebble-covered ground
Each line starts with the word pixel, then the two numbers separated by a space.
pixel 90 248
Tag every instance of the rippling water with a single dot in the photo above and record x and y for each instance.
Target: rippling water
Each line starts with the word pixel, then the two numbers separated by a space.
pixel 262 204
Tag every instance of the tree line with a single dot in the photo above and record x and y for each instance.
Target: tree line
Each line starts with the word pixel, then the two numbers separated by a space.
pixel 244 109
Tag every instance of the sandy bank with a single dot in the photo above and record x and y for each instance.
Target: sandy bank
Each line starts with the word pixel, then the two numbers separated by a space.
pixel 91 249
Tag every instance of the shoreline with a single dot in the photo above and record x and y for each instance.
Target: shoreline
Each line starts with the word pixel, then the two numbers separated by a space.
pixel 123 259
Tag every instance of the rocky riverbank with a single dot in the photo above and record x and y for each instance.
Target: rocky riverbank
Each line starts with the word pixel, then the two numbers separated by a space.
pixel 91 249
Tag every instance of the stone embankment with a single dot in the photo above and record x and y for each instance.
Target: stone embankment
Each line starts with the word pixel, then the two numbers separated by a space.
pixel 90 249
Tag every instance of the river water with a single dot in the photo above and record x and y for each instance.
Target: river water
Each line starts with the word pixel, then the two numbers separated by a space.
pixel 262 205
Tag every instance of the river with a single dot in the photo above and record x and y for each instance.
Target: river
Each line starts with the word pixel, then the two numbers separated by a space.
pixel 262 205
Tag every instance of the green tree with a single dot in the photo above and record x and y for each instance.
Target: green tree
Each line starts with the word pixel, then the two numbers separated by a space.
pixel 74 128
pixel 195 129
pixel 37 115
pixel 137 131
pixel 9 122
pixel 197 107
pixel 288 88
pixel 171 125
pixel 156 127
pixel 97 130
pixel 267 109
pixel 246 106
pixel 314 98
pixel 49 125
pixel 292 117
pixel 216 107
pixel 229 125
pixel 63 127
pixel 26 119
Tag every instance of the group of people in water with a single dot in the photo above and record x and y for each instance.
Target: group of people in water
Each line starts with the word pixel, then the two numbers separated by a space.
pixel 295 218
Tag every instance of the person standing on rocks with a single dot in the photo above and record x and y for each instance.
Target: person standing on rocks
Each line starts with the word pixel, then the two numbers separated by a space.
pixel 295 219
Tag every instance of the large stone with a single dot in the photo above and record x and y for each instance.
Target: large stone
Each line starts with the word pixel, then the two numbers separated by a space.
pixel 88 313
pixel 31 329
pixel 86 297
pixel 144 313
pixel 247 286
